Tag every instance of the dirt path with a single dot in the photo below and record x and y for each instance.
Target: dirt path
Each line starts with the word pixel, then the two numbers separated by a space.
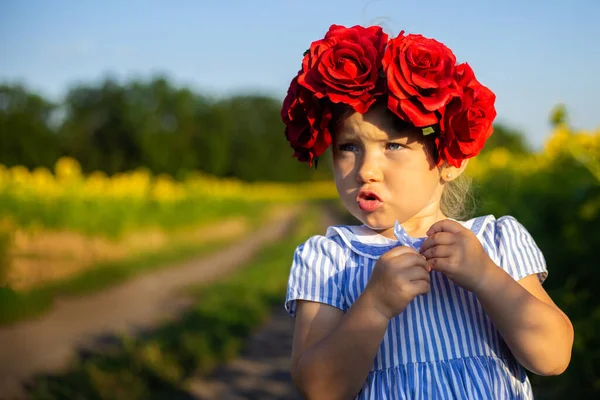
pixel 49 343
pixel 261 372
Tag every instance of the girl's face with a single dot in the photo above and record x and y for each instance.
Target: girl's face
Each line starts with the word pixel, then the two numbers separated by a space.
pixel 383 175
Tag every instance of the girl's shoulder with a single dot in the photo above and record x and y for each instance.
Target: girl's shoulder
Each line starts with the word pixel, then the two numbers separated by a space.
pixel 489 227
pixel 329 246
pixel 510 245
pixel 317 271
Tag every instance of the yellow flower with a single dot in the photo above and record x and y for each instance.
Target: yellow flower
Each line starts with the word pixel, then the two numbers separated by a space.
pixel 96 185
pixel 557 143
pixel 4 177
pixel 43 182
pixel 67 169
pixel 20 175
pixel 500 157
pixel 166 190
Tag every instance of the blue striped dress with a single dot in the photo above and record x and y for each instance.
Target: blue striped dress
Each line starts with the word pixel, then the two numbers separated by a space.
pixel 443 346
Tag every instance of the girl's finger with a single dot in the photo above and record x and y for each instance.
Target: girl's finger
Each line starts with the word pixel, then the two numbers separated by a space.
pixel 441 264
pixel 437 239
pixel 408 260
pixel 438 251
pixel 421 287
pixel 445 225
pixel 416 274
pixel 418 260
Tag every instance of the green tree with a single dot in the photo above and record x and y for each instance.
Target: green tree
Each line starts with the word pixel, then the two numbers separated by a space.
pixel 114 127
pixel 559 115
pixel 98 131
pixel 26 136
pixel 167 120
pixel 507 137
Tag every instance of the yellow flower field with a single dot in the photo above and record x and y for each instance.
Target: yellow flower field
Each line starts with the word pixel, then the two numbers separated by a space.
pixel 582 146
pixel 55 223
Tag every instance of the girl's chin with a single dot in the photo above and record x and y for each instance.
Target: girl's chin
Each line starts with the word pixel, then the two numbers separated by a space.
pixel 385 229
pixel 375 221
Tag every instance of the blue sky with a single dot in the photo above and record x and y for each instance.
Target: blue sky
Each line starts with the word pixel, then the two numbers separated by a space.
pixel 533 54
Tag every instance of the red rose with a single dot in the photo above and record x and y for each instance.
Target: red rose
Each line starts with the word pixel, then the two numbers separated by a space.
pixel 307 123
pixel 345 65
pixel 420 78
pixel 467 121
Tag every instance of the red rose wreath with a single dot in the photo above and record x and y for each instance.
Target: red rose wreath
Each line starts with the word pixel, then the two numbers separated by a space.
pixel 424 87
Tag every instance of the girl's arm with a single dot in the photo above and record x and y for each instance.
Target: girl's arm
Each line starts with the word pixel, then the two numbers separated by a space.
pixel 538 333
pixel 333 352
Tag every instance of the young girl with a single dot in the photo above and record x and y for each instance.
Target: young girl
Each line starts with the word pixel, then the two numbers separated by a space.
pixel 413 303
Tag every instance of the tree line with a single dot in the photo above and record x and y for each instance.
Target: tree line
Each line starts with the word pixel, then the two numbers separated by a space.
pixel 113 127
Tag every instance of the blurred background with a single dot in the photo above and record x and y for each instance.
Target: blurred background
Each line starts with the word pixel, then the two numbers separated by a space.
pixel 138 138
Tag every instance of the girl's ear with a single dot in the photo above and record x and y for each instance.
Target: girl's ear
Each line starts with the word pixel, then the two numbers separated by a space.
pixel 450 173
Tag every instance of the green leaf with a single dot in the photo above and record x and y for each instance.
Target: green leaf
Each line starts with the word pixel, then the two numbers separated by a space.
pixel 428 130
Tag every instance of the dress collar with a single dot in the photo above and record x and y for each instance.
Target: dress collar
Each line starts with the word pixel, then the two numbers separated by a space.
pixel 366 242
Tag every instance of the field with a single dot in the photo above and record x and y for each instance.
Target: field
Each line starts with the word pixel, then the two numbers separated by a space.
pixel 62 232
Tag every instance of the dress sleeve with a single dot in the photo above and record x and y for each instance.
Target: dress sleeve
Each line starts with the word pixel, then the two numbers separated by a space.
pixel 317 274
pixel 518 253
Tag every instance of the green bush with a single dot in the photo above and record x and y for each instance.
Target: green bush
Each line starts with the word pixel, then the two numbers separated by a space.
pixel 560 206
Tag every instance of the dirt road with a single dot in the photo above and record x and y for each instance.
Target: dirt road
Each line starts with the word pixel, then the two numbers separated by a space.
pixel 261 372
pixel 49 343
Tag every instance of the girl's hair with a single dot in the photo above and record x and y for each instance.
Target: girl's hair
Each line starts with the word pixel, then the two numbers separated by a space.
pixel 457 200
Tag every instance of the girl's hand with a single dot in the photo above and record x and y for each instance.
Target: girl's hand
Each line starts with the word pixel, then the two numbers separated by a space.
pixel 455 250
pixel 399 276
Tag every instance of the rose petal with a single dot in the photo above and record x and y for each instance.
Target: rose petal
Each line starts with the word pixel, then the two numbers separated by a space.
pixel 418 115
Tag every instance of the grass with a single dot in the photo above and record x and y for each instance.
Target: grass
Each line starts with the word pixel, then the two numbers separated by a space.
pixel 159 364
pixel 5 241
pixel 18 305
pixel 112 218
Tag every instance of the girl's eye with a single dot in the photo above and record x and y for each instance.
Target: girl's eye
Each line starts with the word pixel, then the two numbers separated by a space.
pixel 348 147
pixel 394 146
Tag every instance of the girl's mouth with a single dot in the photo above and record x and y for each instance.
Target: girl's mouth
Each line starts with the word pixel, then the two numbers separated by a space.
pixel 368 201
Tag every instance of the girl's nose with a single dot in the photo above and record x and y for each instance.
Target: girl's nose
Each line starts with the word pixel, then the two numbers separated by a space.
pixel 369 171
